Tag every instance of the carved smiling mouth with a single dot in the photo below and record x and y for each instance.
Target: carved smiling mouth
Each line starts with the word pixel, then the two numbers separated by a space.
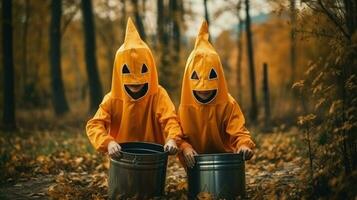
pixel 136 94
pixel 208 99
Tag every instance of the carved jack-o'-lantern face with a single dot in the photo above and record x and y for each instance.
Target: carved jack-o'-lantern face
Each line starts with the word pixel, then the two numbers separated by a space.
pixel 135 90
pixel 203 81
pixel 207 94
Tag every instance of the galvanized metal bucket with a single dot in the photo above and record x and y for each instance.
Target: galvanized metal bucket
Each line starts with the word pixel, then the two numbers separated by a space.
pixel 139 173
pixel 221 176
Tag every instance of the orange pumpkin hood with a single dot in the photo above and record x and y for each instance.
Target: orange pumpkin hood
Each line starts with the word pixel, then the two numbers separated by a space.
pixel 134 53
pixel 202 60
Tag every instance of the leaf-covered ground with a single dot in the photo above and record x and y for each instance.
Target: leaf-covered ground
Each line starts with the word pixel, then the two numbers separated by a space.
pixel 61 164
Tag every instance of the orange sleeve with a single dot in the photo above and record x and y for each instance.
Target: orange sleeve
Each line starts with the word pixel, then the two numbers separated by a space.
pixel 98 127
pixel 235 127
pixel 166 115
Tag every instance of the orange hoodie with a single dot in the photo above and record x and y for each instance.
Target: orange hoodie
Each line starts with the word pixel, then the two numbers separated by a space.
pixel 215 125
pixel 124 116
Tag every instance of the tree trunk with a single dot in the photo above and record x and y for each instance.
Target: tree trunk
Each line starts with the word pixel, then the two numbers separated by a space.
pixel 165 72
pixel 348 71
pixel 240 53
pixel 8 62
pixel 176 34
pixel 254 106
pixel 292 42
pixel 24 50
pixel 58 95
pixel 266 97
pixel 143 9
pixel 161 23
pixel 138 19
pixel 123 20
pixel 206 11
pixel 95 88
pixel 107 35
pixel 206 16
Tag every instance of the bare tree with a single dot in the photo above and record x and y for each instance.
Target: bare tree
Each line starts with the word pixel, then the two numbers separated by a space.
pixel 58 95
pixel 123 19
pixel 206 15
pixel 292 40
pixel 253 95
pixel 95 88
pixel 24 49
pixel 161 24
pixel 176 32
pixel 239 51
pixel 164 41
pixel 138 20
pixel 107 35
pixel 8 62
pixel 266 96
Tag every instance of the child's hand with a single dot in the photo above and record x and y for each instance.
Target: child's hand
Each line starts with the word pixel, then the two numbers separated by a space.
pixel 189 155
pixel 246 151
pixel 171 147
pixel 114 149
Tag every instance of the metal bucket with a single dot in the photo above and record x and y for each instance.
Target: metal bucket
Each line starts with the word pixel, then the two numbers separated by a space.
pixel 221 176
pixel 139 173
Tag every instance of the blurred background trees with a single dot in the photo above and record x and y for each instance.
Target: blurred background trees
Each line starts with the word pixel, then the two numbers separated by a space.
pixel 91 34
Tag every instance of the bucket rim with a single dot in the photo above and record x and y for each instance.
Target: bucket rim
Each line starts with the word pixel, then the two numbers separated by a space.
pixel 164 152
pixel 217 154
pixel 206 155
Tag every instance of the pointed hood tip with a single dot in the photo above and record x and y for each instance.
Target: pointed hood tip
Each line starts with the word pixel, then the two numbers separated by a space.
pixel 131 31
pixel 204 30
pixel 203 34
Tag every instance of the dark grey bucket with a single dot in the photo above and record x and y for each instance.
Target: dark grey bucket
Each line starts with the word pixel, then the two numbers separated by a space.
pixel 139 173
pixel 222 176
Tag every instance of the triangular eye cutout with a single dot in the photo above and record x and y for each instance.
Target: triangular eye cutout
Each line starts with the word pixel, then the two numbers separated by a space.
pixel 125 69
pixel 212 74
pixel 194 75
pixel 144 69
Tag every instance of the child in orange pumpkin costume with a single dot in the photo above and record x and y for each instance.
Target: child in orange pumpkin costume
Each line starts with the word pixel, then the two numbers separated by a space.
pixel 210 118
pixel 137 108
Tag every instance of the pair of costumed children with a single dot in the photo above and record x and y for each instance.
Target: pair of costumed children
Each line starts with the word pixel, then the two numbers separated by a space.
pixel 138 109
